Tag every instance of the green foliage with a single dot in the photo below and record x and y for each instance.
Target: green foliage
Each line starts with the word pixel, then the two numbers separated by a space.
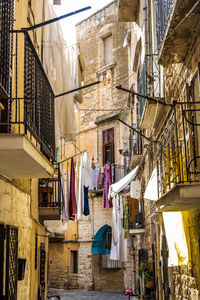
pixel 146 268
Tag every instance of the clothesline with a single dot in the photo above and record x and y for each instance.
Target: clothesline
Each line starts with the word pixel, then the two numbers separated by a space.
pixel 60 162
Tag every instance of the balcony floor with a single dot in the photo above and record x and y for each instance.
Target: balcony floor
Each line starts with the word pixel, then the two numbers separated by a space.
pixel 136 231
pixel 180 32
pixel 49 213
pixel 19 158
pixel 181 197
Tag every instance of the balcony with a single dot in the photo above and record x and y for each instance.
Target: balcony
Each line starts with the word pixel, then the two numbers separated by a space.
pixel 27 134
pixel 150 84
pixel 178 159
pixel 50 199
pixel 136 217
pixel 128 10
pixel 118 173
pixel 135 149
pixel 176 28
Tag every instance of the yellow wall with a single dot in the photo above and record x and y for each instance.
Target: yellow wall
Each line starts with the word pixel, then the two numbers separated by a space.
pixel 15 209
pixel 19 198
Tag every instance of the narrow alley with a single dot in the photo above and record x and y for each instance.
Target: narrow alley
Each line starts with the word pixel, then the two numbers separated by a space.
pixel 100 149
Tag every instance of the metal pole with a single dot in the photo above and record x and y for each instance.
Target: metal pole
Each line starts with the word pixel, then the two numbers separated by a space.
pixel 78 89
pixel 143 96
pixel 150 140
pixel 55 19
pixel 60 162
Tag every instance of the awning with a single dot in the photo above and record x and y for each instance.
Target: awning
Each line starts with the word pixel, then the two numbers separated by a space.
pixel 122 183
pixel 151 192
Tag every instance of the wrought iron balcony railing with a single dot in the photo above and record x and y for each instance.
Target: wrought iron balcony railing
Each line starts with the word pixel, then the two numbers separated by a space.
pixel 163 12
pixel 30 111
pixel 6 24
pixel 150 80
pixel 50 193
pixel 117 174
pixel 178 152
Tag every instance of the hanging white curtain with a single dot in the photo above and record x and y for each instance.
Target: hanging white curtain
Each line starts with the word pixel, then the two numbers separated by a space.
pixel 59 62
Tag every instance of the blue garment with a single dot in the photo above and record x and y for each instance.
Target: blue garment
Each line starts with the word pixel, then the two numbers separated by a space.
pixel 86 211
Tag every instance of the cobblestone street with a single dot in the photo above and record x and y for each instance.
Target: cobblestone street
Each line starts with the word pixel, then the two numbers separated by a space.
pixel 85 295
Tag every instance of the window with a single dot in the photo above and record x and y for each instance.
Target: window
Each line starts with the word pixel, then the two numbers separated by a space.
pixel 108 146
pixel 42 264
pixel 36 245
pixel 107 41
pixel 195 118
pixel 74 262
pixel 108 234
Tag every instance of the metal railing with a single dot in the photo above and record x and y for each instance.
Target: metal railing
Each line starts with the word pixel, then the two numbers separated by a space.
pixel 178 154
pixel 32 106
pixel 6 24
pixel 163 12
pixel 38 99
pixel 50 193
pixel 142 88
pixel 117 174
pixel 149 83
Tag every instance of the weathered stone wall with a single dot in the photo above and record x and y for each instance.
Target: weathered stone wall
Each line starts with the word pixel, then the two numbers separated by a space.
pixel 104 96
pixel 60 273
pixel 106 279
pixel 183 284
pixel 15 210
pixel 129 266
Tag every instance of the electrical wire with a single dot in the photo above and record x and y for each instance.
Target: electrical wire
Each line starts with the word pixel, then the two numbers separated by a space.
pixel 127 78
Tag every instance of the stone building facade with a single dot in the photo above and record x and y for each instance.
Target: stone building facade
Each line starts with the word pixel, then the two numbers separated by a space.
pixel 171 75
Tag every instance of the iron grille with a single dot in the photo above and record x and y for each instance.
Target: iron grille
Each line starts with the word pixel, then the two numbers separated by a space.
pixel 36 251
pixel 118 172
pixel 2 238
pixel 38 98
pixel 142 88
pixel 6 24
pixel 11 263
pixel 163 11
pixel 178 154
pixel 31 111
pixel 42 264
pixel 149 82
pixel 50 192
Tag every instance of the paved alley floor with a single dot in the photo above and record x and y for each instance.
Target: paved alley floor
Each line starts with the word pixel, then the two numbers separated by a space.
pixel 85 295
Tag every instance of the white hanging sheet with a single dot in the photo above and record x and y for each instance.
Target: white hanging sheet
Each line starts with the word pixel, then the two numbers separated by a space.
pixel 122 183
pixel 151 192
pixel 59 63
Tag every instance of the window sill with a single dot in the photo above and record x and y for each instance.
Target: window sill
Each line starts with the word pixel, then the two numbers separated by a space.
pixel 105 68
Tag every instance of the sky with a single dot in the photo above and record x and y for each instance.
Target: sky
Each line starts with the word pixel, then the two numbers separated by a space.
pixel 67 6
